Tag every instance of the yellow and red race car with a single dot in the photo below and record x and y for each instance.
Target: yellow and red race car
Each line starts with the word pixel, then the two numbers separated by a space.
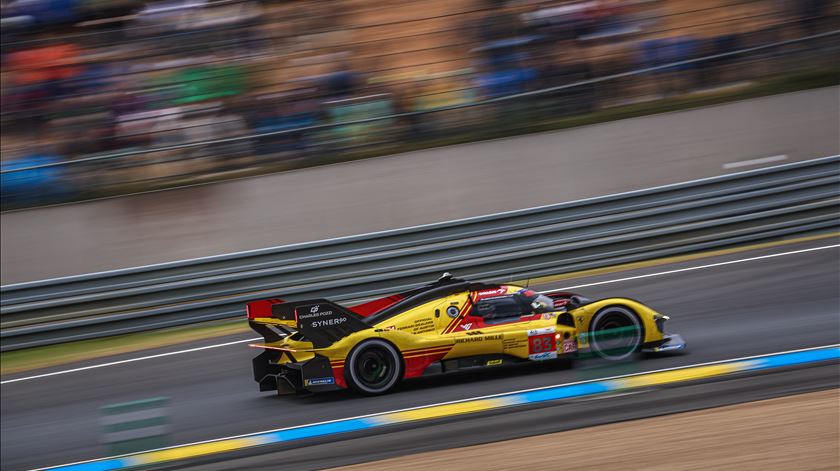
pixel 448 325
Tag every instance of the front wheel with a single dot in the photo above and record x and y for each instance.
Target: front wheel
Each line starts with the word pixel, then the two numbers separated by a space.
pixel 616 333
pixel 373 367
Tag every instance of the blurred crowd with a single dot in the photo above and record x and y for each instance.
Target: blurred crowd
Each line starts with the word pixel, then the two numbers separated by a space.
pixel 231 87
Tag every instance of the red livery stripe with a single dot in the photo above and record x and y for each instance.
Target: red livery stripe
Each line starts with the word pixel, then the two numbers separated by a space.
pixel 424 355
pixel 430 351
pixel 416 350
pixel 457 321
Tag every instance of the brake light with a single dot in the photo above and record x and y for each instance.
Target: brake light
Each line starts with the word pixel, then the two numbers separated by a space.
pixel 256 309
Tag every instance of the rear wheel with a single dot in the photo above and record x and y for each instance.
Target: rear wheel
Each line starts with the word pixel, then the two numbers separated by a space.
pixel 373 367
pixel 615 333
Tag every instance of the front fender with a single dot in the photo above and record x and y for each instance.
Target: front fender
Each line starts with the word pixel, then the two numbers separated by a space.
pixel 584 314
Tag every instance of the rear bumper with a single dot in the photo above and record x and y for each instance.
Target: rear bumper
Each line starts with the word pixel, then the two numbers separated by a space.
pixel 282 383
pixel 313 375
pixel 669 343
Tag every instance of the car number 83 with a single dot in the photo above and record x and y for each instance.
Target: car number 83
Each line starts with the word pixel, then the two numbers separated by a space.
pixel 542 343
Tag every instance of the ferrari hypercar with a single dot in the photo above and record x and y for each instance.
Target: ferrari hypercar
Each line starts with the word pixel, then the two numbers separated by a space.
pixel 451 324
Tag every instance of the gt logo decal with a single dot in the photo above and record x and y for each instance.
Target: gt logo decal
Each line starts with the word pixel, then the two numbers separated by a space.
pixel 542 331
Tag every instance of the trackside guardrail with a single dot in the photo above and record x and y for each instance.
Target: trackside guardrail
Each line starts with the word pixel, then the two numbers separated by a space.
pixel 750 206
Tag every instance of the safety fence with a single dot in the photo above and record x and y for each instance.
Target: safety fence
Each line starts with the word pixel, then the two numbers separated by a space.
pixel 763 204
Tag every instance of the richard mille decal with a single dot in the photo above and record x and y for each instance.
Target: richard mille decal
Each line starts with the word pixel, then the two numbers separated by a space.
pixel 478 339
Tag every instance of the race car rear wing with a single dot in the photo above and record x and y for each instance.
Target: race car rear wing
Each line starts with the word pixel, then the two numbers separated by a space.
pixel 319 321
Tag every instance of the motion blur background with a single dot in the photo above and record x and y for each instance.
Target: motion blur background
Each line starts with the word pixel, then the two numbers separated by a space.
pixel 104 97
pixel 467 111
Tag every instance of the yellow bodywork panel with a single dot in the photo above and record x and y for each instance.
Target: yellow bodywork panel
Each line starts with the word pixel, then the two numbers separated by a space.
pixel 446 328
pixel 584 315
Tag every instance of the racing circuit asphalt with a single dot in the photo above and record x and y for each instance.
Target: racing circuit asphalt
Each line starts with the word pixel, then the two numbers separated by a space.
pixel 756 307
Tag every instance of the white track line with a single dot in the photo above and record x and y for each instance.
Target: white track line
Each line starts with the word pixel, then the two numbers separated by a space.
pixel 475 398
pixel 731 262
pixel 748 163
pixel 618 280
pixel 130 360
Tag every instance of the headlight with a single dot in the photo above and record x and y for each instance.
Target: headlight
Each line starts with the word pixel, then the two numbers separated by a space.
pixel 660 323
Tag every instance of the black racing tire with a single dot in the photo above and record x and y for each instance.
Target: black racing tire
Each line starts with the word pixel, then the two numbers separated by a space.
pixel 616 333
pixel 373 367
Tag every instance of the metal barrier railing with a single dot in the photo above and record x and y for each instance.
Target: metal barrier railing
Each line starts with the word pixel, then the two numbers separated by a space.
pixel 709 213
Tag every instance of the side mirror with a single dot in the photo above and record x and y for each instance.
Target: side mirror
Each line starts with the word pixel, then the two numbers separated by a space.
pixel 536 306
pixel 577 301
